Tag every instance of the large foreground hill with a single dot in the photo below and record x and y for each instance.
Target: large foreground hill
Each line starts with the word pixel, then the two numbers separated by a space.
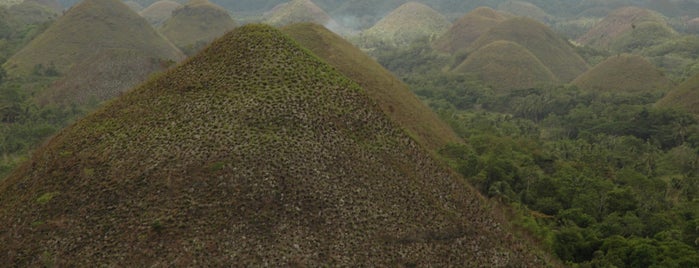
pixel 252 152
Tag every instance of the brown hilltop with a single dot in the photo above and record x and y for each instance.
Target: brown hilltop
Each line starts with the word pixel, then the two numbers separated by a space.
pixel 253 153
pixel 159 12
pixel 505 66
pixel 296 11
pixel 196 24
pixel 624 73
pixel 392 95
pixel 407 23
pixel 618 23
pixel 468 28
pixel 89 28
pixel 552 50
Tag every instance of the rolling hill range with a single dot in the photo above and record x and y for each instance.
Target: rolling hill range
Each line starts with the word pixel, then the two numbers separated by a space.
pixel 624 73
pixel 685 96
pixel 553 51
pixel 252 152
pixel 159 12
pixel 468 28
pixel 196 24
pixel 406 24
pixel 505 65
pixel 392 95
pixel 88 29
pixel 624 22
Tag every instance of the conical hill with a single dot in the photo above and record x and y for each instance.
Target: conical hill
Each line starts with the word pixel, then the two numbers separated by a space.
pixel 196 24
pixel 86 29
pixel 620 22
pixel 505 66
pixel 253 152
pixel 409 22
pixel 468 28
pixel 53 5
pixel 624 73
pixel 392 95
pixel 552 50
pixel 296 11
pixel 684 96
pixel 159 12
pixel 524 9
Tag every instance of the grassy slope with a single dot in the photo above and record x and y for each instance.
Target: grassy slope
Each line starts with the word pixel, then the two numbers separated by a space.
pixel 296 11
pixel 619 22
pixel 505 66
pixel 552 50
pixel 394 97
pixel 624 73
pixel 685 96
pixel 159 12
pixel 252 152
pixel 468 28
pixel 407 23
pixel 198 21
pixel 87 29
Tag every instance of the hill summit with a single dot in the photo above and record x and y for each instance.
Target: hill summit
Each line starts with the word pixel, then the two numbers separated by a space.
pixel 407 23
pixel 624 73
pixel 89 28
pixel 621 22
pixel 468 28
pixel 253 152
pixel 197 23
pixel 159 12
pixel 296 11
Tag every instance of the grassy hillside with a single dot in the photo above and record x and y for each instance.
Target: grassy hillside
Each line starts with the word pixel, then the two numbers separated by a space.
pixel 296 11
pixel 685 96
pixel 87 29
pixel 159 12
pixel 506 66
pixel 394 97
pixel 101 77
pixel 409 22
pixel 196 24
pixel 618 23
pixel 553 51
pixel 624 73
pixel 643 35
pixel 468 28
pixel 252 152
pixel 53 5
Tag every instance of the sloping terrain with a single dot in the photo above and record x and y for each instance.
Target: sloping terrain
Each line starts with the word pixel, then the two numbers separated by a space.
pixel 624 73
pixel 253 152
pixel 685 96
pixel 525 9
pixel 406 24
pixel 392 95
pixel 468 28
pixel 552 50
pixel 53 5
pixel 159 12
pixel 196 24
pixel 619 22
pixel 505 66
pixel 88 29
pixel 296 11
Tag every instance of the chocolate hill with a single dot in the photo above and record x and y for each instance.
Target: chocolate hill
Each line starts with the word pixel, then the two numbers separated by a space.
pixel 87 29
pixel 392 95
pixel 620 22
pixel 684 96
pixel 196 24
pixel 296 11
pixel 624 73
pixel 552 50
pixel 254 152
pixel 468 28
pixel 406 24
pixel 505 66
pixel 525 9
pixel 159 12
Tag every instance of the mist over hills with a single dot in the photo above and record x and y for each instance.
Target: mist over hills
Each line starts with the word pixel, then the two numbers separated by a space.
pixel 150 179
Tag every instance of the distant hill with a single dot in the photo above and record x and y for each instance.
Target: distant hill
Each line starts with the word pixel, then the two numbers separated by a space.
pixel 296 11
pixel 525 9
pixel 409 22
pixel 624 73
pixel 620 22
pixel 505 66
pixel 53 5
pixel 101 77
pixel 253 152
pixel 159 12
pixel 88 29
pixel 685 96
pixel 468 28
pixel 135 6
pixel 196 24
pixel 553 51
pixel 392 95
pixel 33 12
